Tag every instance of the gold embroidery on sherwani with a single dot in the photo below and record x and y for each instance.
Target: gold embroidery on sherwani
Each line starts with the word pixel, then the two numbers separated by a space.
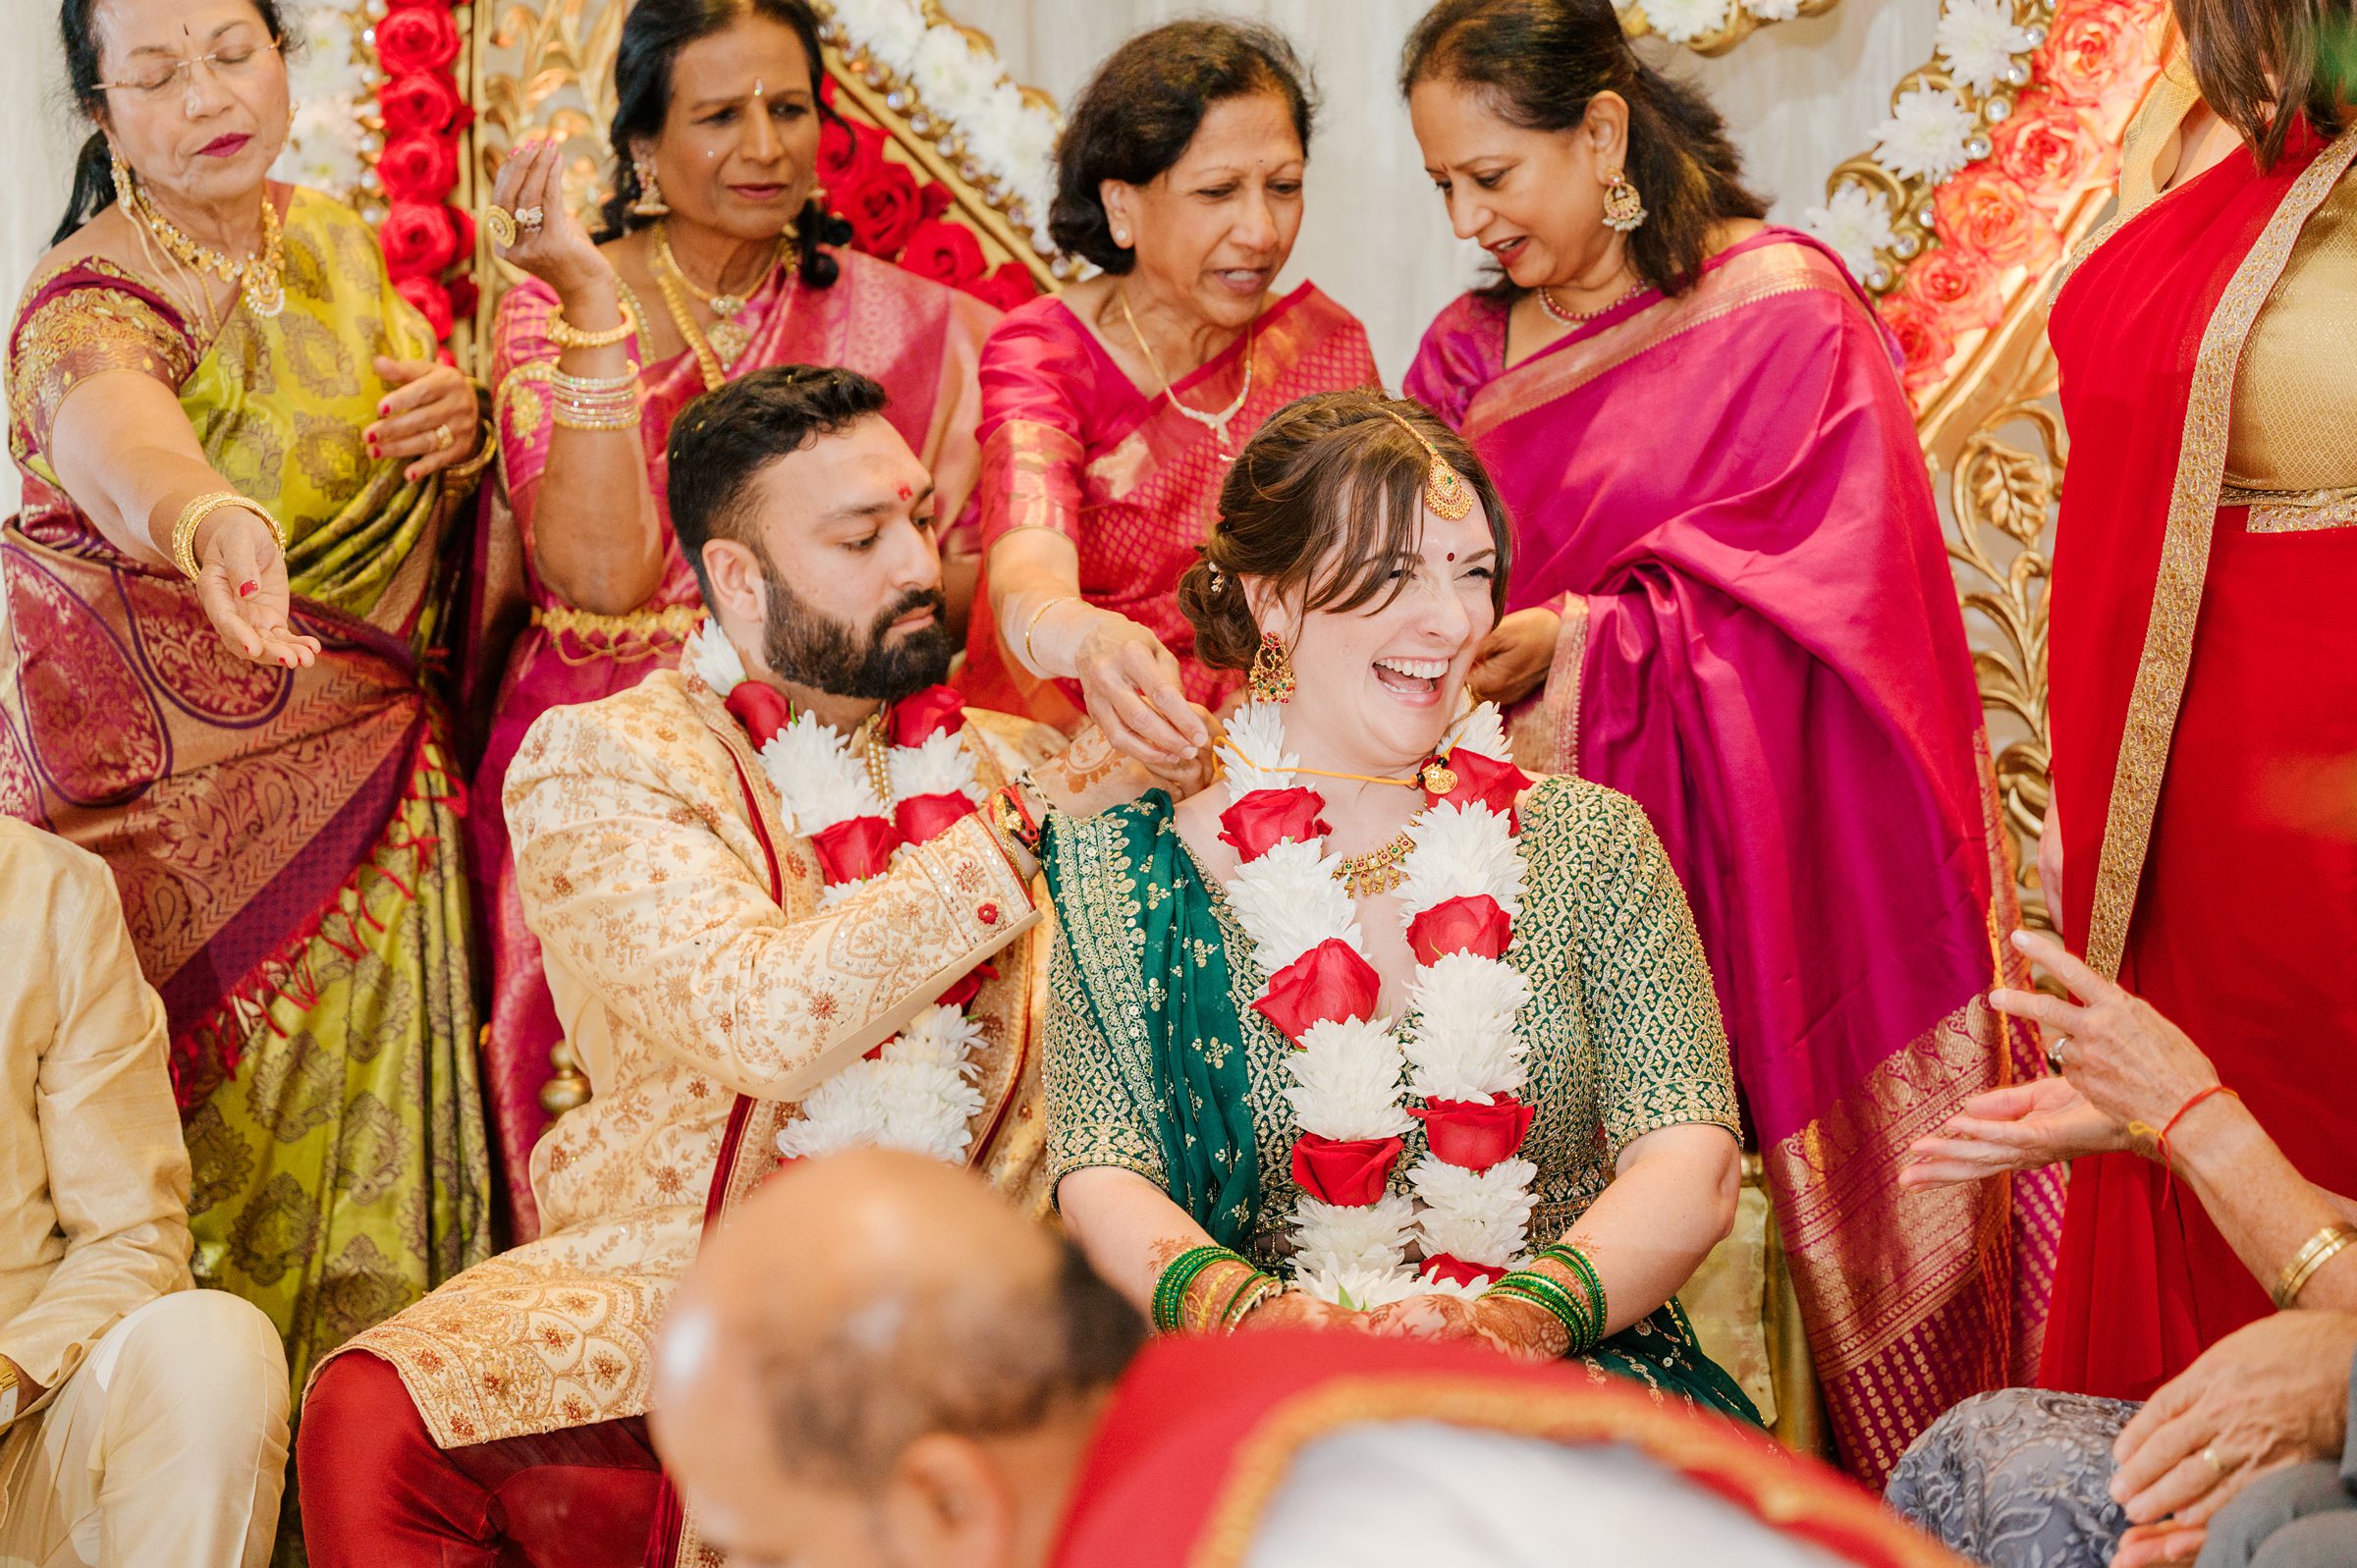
pixel 645 876
pixel 2168 654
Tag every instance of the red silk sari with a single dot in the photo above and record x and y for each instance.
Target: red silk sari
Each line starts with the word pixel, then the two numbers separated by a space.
pixel 2205 750
pixel 919 339
pixel 1071 442
pixel 1762 645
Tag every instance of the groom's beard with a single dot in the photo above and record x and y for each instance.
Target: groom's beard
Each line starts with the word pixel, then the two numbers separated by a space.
pixel 807 646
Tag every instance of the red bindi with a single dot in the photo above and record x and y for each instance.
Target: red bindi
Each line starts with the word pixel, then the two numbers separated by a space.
pixel 1452 555
pixel 906 492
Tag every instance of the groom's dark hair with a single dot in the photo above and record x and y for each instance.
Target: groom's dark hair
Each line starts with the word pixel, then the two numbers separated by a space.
pixel 724 439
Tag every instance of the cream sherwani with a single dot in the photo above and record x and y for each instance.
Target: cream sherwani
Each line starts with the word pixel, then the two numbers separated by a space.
pixel 161 1434
pixel 701 1005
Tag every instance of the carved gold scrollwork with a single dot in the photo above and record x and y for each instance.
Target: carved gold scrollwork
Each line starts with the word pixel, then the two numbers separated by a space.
pixel 1740 24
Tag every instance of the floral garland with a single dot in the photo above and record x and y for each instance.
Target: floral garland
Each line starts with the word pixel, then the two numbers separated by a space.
pixel 1469 1215
pixel 1966 193
pixel 917 1090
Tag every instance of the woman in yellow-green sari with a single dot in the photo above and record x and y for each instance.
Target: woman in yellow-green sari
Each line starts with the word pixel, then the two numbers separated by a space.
pixel 206 367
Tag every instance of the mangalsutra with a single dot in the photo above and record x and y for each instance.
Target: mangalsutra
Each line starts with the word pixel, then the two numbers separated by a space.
pixel 258 277
pixel 1432 774
pixel 1216 424
pixel 729 338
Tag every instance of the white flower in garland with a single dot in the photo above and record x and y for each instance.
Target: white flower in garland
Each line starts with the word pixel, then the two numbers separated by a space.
pixel 1924 138
pixel 1684 21
pixel 1855 221
pixel 916 1095
pixel 1772 10
pixel 1978 39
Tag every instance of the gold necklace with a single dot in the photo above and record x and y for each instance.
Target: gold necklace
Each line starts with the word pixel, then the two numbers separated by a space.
pixel 1573 318
pixel 728 337
pixel 258 277
pixel 1216 424
pixel 1378 870
pixel 1433 775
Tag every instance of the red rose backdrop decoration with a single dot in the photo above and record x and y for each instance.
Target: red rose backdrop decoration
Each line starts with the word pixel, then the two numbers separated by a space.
pixel 1921 339
pixel 1008 285
pixel 418 239
pixel 884 208
pixel 848 152
pixel 428 243
pixel 416 36
pixel 432 300
pixel 421 101
pixel 420 165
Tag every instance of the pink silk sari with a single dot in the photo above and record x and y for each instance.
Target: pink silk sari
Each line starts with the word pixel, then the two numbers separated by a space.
pixel 920 340
pixel 1071 442
pixel 1762 644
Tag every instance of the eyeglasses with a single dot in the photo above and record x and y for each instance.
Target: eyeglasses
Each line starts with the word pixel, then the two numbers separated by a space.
pixel 232 63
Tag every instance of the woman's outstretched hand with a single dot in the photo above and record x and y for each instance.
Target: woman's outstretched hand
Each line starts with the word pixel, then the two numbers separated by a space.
pixel 1511 661
pixel 2019 1127
pixel 2132 1065
pixel 241 583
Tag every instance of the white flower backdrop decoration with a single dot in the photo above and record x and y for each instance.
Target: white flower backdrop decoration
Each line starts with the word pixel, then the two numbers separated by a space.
pixel 1856 223
pixel 1683 20
pixel 1977 40
pixel 331 81
pixel 1926 135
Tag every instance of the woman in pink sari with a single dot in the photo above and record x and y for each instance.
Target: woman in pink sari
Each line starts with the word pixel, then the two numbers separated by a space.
pixel 700 278
pixel 1110 414
pixel 1732 603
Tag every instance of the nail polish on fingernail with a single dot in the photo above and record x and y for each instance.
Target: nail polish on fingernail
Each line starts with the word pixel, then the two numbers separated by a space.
pixel 248 588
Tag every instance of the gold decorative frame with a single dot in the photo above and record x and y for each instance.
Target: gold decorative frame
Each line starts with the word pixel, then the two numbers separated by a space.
pixel 1740 24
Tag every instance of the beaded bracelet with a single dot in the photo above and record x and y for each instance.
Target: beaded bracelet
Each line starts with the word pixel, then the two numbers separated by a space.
pixel 1170 1291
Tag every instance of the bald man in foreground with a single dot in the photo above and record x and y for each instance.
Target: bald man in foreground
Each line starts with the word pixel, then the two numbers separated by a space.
pixel 877 1363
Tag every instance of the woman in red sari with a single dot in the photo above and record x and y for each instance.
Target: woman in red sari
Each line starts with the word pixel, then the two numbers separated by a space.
pixel 1109 414
pixel 1732 603
pixel 2204 666
pixel 707 270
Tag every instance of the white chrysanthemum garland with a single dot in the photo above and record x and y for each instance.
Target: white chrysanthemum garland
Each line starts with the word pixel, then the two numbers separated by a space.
pixel 917 1091
pixel 331 84
pixel 1470 1212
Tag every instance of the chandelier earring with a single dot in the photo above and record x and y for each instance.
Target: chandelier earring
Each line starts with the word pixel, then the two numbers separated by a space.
pixel 1271 677
pixel 1623 207
pixel 651 203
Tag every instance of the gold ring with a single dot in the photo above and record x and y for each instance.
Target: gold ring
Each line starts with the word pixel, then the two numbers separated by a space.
pixel 442 437
pixel 2209 1457
pixel 528 219
pixel 502 223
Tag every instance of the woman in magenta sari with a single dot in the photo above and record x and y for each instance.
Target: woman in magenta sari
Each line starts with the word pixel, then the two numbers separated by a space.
pixel 1111 413
pixel 706 271
pixel 1731 602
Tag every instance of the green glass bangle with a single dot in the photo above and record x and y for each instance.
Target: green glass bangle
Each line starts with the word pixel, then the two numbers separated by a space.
pixel 1170 1291
pixel 1574 1258
pixel 1578 1319
pixel 1257 1287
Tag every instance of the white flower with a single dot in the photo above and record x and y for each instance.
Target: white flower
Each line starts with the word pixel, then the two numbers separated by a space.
pixel 941 765
pixel 1347 1081
pixel 1855 221
pixel 952 75
pixel 1465 1046
pixel 1772 10
pixel 1460 852
pixel 1924 138
pixel 1482 729
pixel 1978 39
pixel 1681 20
pixel 1477 1216
pixel 713 658
pixel 1359 1289
pixel 835 893
pixel 1330 1237
pixel 1254 750
pixel 819 782
pixel 1287 902
pixel 941 1035
pixel 928 1109
pixel 889 30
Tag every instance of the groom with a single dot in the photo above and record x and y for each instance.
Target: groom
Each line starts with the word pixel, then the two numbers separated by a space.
pixel 784 897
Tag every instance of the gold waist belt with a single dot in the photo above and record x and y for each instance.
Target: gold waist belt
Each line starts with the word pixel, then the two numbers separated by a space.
pixel 639 634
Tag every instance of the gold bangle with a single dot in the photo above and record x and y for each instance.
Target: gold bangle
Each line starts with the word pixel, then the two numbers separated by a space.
pixel 184 532
pixel 565 335
pixel 462 472
pixel 2317 1251
pixel 1031 661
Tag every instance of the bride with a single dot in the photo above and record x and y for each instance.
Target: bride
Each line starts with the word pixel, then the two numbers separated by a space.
pixel 1384 1034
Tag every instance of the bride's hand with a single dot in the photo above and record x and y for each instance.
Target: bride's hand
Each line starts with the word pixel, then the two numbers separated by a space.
pixel 241 583
pixel 1512 1327
pixel 1511 661
pixel 2020 1127
pixel 1290 1309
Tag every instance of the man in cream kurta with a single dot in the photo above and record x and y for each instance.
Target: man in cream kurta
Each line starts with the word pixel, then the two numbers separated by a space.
pixel 142 1421
pixel 704 985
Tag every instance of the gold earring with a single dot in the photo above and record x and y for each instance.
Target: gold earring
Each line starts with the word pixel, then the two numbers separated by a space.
pixel 1623 207
pixel 1271 677
pixel 122 176
pixel 651 203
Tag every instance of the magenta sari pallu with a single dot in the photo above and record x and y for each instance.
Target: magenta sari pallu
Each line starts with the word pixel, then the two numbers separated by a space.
pixel 1762 644
pixel 920 340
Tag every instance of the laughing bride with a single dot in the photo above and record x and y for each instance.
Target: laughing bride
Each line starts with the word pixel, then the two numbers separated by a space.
pixel 1381 1033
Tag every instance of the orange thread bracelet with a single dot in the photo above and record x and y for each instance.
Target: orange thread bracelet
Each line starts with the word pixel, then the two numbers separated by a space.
pixel 2167 1166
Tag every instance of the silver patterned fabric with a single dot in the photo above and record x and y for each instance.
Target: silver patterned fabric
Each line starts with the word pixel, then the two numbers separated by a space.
pixel 2016 1478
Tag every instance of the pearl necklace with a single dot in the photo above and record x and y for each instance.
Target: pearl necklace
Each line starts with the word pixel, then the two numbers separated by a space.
pixel 1573 318
pixel 1216 424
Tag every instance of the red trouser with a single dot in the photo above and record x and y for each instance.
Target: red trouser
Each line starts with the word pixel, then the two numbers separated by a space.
pixel 377 1494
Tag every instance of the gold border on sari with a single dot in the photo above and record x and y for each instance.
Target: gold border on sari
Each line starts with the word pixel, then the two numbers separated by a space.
pixel 2166 657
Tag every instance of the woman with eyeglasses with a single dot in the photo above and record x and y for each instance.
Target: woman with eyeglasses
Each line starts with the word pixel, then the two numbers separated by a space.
pixel 240 462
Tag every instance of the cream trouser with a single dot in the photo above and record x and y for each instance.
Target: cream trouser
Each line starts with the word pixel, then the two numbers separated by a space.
pixel 166 1448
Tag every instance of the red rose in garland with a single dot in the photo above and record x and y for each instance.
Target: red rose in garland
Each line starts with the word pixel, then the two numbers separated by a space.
pixel 418 239
pixel 855 849
pixel 1267 817
pixel 1471 1134
pixel 883 209
pixel 933 711
pixel 417 37
pixel 1484 781
pixel 421 101
pixel 1473 924
pixel 418 167
pixel 1349 1174
pixel 1328 982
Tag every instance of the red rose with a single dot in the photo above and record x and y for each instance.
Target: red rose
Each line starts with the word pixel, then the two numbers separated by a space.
pixel 762 710
pixel 946 252
pixel 1347 1174
pixel 883 209
pixel 1471 1135
pixel 1958 286
pixel 1484 781
pixel 846 152
pixel 1329 982
pixel 934 711
pixel 1471 923
pixel 855 848
pixel 936 196
pixel 1268 817
pixel 1923 342
pixel 415 39
pixel 420 238
pixel 1010 284
pixel 463 295
pixel 922 819
pixel 417 167
pixel 2047 146
pixel 432 301
pixel 1441 1266
pixel 420 101
pixel 966 987
pixel 1987 212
